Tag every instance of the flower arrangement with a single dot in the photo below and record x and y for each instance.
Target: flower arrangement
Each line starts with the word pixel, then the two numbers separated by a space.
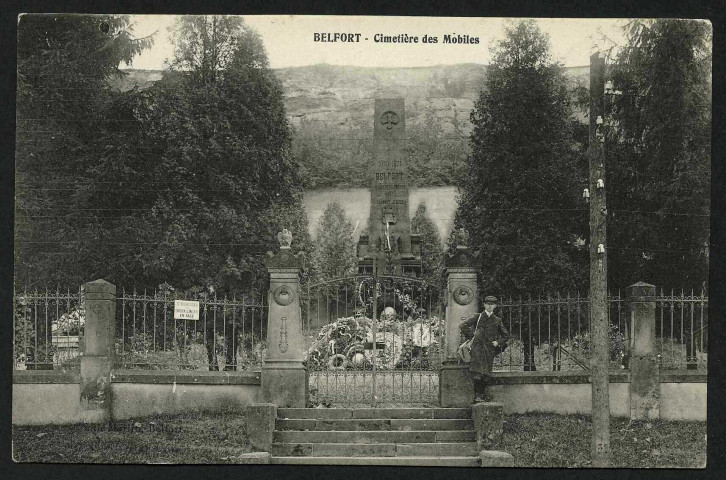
pixel 71 323
pixel 347 343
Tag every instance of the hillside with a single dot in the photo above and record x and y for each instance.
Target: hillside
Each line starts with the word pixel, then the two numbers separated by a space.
pixel 342 96
pixel 331 110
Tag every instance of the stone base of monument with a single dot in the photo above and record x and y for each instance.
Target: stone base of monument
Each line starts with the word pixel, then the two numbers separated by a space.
pixel 285 384
pixel 456 387
pixel 496 458
pixel 261 425
pixel 254 458
pixel 488 423
pixel 95 382
pixel 644 387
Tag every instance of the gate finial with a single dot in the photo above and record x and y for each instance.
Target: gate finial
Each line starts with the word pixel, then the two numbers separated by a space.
pixel 285 238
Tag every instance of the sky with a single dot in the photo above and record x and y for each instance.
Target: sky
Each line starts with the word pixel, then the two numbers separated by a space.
pixel 289 40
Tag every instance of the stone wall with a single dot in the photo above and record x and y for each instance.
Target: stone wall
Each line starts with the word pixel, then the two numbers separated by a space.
pixel 683 400
pixel 49 400
pixel 683 395
pixel 41 398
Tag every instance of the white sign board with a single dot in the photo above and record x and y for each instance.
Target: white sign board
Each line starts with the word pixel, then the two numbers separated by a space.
pixel 186 310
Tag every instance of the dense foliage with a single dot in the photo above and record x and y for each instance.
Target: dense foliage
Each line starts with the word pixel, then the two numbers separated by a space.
pixel 519 198
pixel 337 157
pixel 659 154
pixel 333 157
pixel 334 250
pixel 63 105
pixel 432 250
pixel 192 178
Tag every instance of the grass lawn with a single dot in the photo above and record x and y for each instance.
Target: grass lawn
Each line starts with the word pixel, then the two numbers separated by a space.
pixel 549 440
pixel 189 438
pixel 535 440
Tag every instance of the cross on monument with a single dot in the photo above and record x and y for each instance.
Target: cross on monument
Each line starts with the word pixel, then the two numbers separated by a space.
pixel 389 242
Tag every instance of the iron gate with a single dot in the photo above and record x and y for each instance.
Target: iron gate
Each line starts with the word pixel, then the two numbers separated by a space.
pixel 373 344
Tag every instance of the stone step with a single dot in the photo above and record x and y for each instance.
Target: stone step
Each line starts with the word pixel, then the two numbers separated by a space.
pixel 375 424
pixel 366 436
pixel 374 449
pixel 423 461
pixel 372 413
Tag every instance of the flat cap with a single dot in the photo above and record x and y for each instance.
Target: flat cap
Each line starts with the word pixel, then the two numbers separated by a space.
pixel 490 299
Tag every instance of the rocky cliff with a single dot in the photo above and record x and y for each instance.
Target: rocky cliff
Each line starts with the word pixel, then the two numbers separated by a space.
pixel 341 97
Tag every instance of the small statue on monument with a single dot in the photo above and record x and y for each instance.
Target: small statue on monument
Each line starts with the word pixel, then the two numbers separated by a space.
pixel 461 238
pixel 285 238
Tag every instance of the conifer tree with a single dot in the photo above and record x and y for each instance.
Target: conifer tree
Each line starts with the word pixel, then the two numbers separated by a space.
pixel 65 107
pixel 334 248
pixel 520 197
pixel 659 154
pixel 432 251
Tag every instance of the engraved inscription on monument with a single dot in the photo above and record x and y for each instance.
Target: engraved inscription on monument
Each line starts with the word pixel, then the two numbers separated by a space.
pixel 389 241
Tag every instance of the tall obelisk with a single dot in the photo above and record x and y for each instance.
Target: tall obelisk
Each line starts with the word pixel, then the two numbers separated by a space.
pixel 389 242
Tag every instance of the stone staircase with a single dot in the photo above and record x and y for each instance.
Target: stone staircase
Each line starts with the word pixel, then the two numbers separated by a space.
pixel 375 436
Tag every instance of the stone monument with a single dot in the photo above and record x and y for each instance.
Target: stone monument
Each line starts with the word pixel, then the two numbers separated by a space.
pixel 389 243
pixel 284 377
pixel 456 387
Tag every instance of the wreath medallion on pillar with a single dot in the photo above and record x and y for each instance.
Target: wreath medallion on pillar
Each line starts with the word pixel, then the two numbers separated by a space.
pixel 463 295
pixel 284 295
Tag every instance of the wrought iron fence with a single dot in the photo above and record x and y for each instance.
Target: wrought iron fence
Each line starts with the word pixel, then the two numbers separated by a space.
pixel 681 328
pixel 48 330
pixel 347 365
pixel 230 333
pixel 552 333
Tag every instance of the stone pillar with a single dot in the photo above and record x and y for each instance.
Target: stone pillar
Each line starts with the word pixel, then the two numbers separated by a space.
pixel 488 423
pixel 261 425
pixel 644 366
pixel 99 335
pixel 455 383
pixel 284 377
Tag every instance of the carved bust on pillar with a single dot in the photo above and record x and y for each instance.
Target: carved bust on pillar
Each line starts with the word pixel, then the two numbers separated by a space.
pixel 284 238
pixel 284 258
pixel 461 256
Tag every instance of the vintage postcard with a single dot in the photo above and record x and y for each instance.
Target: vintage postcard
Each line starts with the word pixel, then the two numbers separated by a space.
pixel 328 240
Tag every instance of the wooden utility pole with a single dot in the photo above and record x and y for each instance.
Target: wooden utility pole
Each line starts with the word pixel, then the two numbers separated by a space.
pixel 599 323
pixel 374 330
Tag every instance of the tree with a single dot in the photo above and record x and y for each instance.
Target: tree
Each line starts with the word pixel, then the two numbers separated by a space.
pixel 334 252
pixel 203 161
pixel 519 199
pixel 333 156
pixel 432 252
pixel 435 157
pixel 340 156
pixel 207 45
pixel 63 104
pixel 659 154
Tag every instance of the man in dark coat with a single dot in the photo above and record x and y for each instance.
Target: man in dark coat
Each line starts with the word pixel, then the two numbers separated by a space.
pixel 488 335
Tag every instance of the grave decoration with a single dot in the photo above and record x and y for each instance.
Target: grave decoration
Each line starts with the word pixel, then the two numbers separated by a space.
pixel 401 343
